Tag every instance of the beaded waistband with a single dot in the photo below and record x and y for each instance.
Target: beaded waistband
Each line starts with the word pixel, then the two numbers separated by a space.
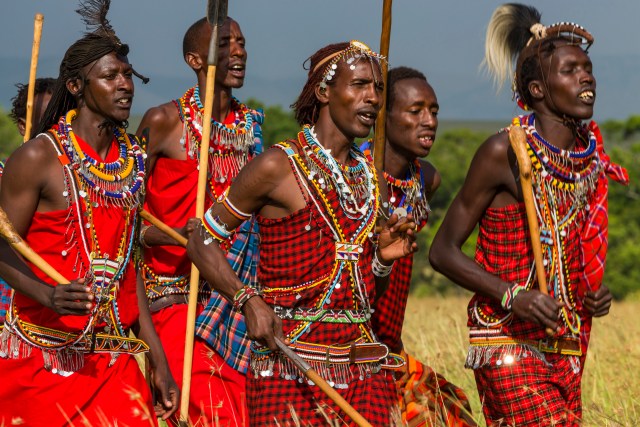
pixel 323 315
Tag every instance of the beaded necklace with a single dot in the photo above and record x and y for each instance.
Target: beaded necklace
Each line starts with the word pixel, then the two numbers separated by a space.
pixel 117 183
pixel 411 198
pixel 564 184
pixel 354 184
pixel 230 145
pixel 104 270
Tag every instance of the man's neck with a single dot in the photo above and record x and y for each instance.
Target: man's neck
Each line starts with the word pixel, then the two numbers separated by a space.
pixel 332 139
pixel 556 130
pixel 92 130
pixel 221 101
pixel 396 164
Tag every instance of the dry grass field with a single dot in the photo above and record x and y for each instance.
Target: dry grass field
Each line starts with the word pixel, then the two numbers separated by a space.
pixel 435 332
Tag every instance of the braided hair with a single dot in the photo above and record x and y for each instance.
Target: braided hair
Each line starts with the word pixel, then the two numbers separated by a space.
pixel 93 46
pixel 307 105
pixel 515 34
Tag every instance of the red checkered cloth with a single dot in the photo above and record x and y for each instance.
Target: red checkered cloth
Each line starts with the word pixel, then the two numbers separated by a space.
pixel 295 251
pixel 276 402
pixel 427 399
pixel 531 393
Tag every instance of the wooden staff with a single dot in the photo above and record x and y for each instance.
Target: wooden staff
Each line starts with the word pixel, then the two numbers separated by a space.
pixel 163 227
pixel 311 374
pixel 35 50
pixel 379 134
pixel 13 238
pixel 216 15
pixel 518 141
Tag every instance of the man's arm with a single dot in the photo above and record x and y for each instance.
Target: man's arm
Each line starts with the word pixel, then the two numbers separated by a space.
pixel 490 182
pixel 261 183
pixel 33 181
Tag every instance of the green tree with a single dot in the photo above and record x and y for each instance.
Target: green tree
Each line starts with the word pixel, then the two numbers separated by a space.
pixel 10 138
pixel 279 124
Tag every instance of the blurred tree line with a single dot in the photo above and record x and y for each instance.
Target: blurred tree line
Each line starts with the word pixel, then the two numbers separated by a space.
pixel 451 154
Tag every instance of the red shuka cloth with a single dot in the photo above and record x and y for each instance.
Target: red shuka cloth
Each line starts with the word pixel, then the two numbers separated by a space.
pixel 98 392
pixel 171 197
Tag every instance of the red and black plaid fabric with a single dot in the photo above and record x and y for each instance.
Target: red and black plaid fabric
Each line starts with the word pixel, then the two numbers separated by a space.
pixel 388 317
pixel 531 393
pixel 291 255
pixel 278 402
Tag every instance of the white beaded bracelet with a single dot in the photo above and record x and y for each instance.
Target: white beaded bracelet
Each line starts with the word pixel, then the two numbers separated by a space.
pixel 379 269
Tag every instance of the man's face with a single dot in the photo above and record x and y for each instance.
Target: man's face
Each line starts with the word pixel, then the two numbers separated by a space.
pixel 109 87
pixel 232 56
pixel 40 102
pixel 413 119
pixel 355 98
pixel 570 83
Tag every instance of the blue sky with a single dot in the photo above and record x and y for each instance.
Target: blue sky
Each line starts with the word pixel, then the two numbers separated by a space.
pixel 444 39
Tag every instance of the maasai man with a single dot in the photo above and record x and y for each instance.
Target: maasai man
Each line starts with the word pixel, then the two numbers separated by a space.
pixel 174 145
pixel 525 377
pixel 41 96
pixel 316 199
pixel 426 398
pixel 72 192
pixel 18 113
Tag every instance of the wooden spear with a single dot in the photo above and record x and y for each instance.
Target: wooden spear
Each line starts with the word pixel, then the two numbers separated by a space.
pixel 216 15
pixel 35 50
pixel 182 241
pixel 518 141
pixel 379 134
pixel 13 238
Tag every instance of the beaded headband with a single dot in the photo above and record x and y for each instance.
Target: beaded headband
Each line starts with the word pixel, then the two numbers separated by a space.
pixel 573 33
pixel 354 52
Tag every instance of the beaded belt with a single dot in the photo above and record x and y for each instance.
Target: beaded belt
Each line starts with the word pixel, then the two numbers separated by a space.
pixel 322 315
pixel 340 354
pixel 563 345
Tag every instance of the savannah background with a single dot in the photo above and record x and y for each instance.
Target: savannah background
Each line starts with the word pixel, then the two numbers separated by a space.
pixel 435 326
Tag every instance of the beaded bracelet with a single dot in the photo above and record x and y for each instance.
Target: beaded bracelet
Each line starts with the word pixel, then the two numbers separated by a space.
pixel 243 295
pixel 379 269
pixel 510 295
pixel 215 228
pixel 143 231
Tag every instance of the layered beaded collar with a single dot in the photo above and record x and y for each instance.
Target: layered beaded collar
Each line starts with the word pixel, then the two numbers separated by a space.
pixel 114 183
pixel 234 136
pixel 407 195
pixel 354 183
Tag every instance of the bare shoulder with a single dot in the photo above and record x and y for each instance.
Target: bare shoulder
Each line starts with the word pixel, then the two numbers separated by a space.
pixel 272 165
pixel 32 158
pixel 160 120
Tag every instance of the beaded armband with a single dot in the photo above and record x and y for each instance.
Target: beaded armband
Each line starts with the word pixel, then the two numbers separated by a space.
pixel 510 295
pixel 224 201
pixel 379 269
pixel 215 229
pixel 243 295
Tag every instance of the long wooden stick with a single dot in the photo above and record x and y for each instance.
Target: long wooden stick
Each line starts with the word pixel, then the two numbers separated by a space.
pixel 163 227
pixel 216 15
pixel 379 134
pixel 518 141
pixel 13 238
pixel 310 373
pixel 35 51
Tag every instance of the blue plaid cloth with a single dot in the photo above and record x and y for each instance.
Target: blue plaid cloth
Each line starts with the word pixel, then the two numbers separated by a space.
pixel 5 300
pixel 219 324
pixel 222 327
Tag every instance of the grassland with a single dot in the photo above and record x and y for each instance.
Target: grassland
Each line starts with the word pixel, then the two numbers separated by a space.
pixel 435 332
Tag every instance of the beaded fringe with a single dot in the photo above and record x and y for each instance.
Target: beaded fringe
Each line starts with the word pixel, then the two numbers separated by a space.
pixel 480 356
pixel 61 362
pixel 221 137
pixel 338 376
